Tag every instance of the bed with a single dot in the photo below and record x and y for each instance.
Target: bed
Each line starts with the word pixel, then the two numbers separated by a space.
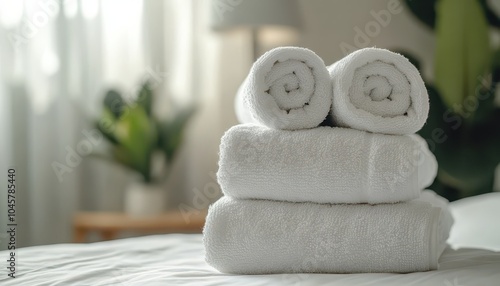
pixel 473 258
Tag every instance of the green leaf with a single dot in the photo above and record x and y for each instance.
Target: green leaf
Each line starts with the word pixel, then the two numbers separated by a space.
pixel 145 98
pixel 136 135
pixel 114 102
pixel 486 98
pixel 424 10
pixel 469 156
pixel 171 133
pixel 486 139
pixel 490 14
pixel 462 50
pixel 124 157
pixel 437 110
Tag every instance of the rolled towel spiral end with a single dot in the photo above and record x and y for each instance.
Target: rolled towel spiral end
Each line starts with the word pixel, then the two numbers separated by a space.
pixel 288 88
pixel 378 91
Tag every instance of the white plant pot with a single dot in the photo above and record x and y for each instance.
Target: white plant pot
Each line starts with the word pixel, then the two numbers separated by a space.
pixel 144 200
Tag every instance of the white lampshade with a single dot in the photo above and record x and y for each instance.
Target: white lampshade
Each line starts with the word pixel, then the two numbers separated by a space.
pixel 228 14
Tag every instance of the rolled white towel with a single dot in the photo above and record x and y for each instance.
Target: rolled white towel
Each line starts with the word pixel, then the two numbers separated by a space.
pixel 261 237
pixel 379 91
pixel 288 88
pixel 323 165
pixel 242 113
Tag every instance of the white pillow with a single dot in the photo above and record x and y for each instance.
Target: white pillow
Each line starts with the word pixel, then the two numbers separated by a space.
pixel 477 222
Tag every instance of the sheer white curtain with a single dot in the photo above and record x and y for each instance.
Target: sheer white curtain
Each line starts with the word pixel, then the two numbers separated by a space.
pixel 57 58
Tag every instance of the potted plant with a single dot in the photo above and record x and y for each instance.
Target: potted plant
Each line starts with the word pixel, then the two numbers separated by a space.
pixel 143 144
pixel 463 126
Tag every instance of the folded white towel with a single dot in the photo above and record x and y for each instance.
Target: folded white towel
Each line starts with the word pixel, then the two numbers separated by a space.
pixel 260 237
pixel 378 91
pixel 323 165
pixel 288 88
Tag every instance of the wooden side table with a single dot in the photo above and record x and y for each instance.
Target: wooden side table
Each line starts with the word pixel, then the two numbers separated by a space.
pixel 109 224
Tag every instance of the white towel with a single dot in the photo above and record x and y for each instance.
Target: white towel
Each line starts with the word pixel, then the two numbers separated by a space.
pixel 323 165
pixel 288 88
pixel 261 237
pixel 378 91
pixel 242 113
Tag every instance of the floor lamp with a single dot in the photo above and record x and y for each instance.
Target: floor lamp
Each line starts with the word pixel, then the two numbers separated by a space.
pixel 254 15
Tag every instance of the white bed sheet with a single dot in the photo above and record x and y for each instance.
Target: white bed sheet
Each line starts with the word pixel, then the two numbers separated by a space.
pixel 177 259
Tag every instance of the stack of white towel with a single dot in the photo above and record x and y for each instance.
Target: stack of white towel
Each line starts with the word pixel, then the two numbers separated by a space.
pixel 344 199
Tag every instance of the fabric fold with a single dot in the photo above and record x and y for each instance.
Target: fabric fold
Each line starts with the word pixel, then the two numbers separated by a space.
pixel 379 91
pixel 323 165
pixel 288 88
pixel 262 237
